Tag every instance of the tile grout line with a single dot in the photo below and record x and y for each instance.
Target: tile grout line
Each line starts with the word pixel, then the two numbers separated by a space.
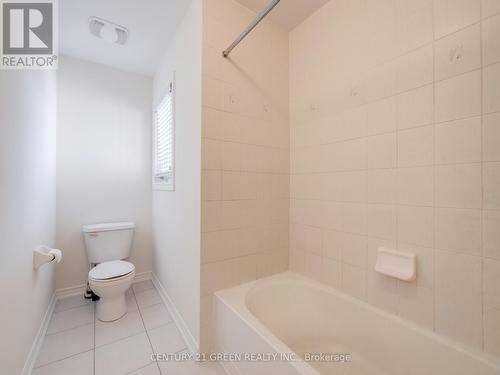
pixel 94 351
pixel 144 324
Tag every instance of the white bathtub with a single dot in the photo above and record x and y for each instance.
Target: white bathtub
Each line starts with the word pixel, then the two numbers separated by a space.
pixel 288 313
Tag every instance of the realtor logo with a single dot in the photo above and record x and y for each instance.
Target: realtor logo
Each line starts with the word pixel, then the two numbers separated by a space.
pixel 29 34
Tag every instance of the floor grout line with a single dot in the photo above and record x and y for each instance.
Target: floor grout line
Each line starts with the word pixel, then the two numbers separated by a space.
pixel 147 333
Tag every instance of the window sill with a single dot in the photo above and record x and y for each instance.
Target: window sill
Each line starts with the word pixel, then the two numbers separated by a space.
pixel 163 187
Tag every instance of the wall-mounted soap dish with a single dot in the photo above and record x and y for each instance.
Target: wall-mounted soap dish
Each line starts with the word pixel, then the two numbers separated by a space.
pixel 397 264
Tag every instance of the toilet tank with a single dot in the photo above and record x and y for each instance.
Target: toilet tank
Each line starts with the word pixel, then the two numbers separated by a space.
pixel 108 241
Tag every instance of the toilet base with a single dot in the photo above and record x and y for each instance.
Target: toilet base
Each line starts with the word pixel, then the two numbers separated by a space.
pixel 110 309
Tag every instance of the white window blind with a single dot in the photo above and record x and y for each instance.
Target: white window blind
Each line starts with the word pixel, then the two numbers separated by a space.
pixel 163 172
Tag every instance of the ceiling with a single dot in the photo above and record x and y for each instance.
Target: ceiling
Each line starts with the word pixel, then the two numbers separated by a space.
pixel 151 24
pixel 288 13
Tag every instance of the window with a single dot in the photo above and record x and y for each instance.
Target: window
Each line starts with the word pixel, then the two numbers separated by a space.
pixel 163 141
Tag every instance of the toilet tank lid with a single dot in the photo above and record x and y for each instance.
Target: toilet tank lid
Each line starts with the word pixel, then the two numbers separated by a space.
pixel 105 227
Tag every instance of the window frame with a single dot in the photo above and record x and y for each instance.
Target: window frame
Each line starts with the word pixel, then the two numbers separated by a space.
pixel 169 183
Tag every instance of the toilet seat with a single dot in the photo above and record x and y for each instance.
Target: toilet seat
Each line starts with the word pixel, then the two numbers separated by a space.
pixel 111 271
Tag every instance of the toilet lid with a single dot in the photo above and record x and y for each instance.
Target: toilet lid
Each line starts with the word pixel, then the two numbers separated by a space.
pixel 111 270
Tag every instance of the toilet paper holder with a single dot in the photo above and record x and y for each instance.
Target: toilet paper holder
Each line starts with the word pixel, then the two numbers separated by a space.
pixel 44 254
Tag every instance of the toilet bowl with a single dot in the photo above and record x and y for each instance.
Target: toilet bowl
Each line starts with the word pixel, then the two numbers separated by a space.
pixel 110 281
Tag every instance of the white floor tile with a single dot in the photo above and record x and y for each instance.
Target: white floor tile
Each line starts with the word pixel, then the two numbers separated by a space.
pixel 71 302
pixel 69 319
pixel 166 339
pixel 131 302
pixel 128 325
pixel 152 369
pixel 147 298
pixel 142 286
pixel 155 316
pixel 65 344
pixel 189 368
pixel 123 356
pixel 80 364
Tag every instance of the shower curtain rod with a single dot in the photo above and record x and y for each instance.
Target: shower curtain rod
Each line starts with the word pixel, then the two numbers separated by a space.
pixel 250 27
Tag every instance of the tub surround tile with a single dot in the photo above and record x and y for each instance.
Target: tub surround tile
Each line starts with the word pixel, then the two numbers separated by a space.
pixel 491 329
pixel 452 15
pixel 459 141
pixel 491 45
pixel 458 53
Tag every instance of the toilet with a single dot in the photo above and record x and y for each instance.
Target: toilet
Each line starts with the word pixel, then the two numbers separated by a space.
pixel 107 245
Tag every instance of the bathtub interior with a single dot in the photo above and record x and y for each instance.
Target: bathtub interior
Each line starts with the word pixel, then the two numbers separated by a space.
pixel 309 317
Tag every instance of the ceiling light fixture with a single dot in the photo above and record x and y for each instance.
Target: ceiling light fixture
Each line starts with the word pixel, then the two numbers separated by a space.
pixel 108 31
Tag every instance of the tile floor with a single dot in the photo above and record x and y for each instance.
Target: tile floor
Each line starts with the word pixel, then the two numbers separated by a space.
pixel 77 343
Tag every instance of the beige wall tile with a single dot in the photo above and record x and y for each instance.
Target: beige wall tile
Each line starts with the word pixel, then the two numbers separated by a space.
pixel 382 291
pixel 458 53
pixel 415 107
pixel 459 141
pixel 491 283
pixel 353 186
pixel 416 225
pixel 458 297
pixel 332 272
pixel 452 15
pixel 491 329
pixel 459 230
pixel 382 186
pixel 381 221
pixel 354 218
pixel 354 250
pixel 416 304
pixel 211 185
pixel 414 24
pixel 491 88
pixel 491 233
pixel 416 147
pixel 425 265
pixel 490 7
pixel 458 186
pixel 458 97
pixel 381 116
pixel 354 281
pixel 333 243
pixel 491 185
pixel 415 69
pixel 416 186
pixel 381 151
pixel 491 137
pixel 491 44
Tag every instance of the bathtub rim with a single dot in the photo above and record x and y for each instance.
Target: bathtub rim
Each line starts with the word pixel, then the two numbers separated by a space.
pixel 236 299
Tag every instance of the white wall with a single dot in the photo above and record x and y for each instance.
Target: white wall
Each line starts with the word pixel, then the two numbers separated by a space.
pixel 103 160
pixel 27 207
pixel 176 215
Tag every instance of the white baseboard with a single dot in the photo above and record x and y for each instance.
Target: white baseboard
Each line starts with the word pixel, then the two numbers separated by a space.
pixel 179 321
pixel 80 289
pixel 71 291
pixel 40 335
